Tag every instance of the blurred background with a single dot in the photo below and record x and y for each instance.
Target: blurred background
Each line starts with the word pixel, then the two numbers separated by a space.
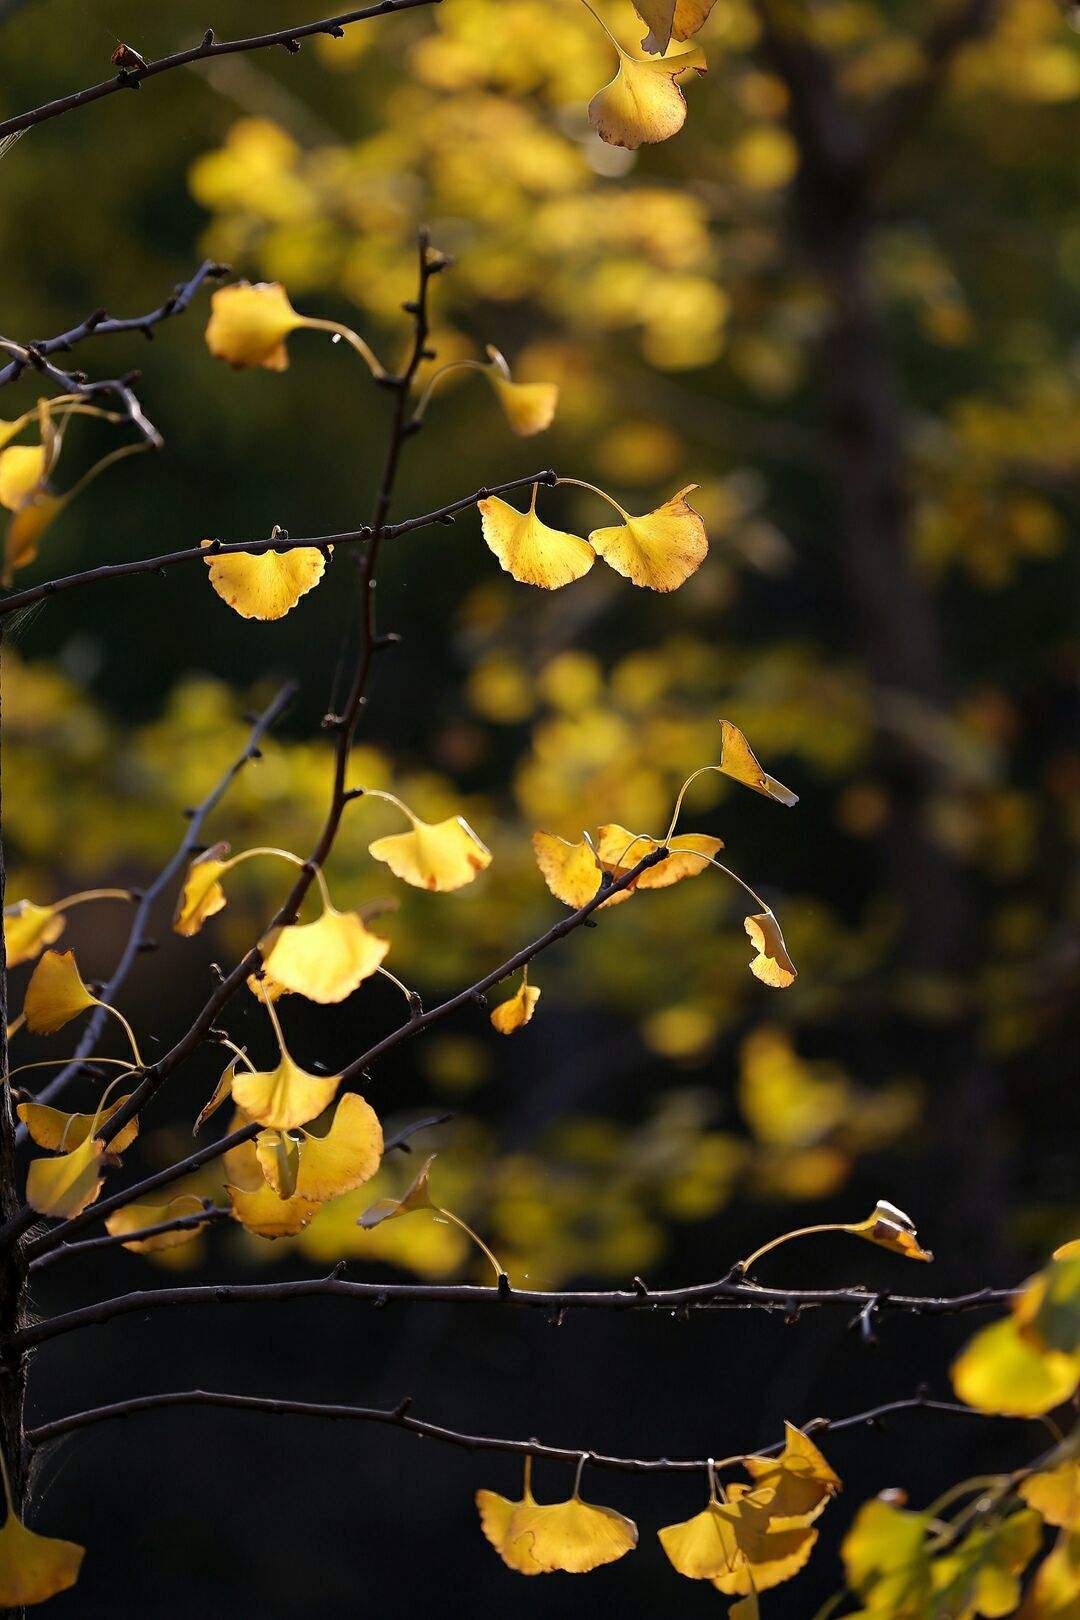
pixel 875 388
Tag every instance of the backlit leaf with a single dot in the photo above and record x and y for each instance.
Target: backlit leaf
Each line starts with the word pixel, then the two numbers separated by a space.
pixel 620 851
pixel 516 1012
pixel 734 1545
pixel 55 994
pixel 659 550
pixel 1001 1371
pixel 801 1481
pixel 53 1129
pixel 439 856
pixel 265 584
pixel 886 1561
pixel 135 1217
pixel 324 960
pixel 284 1097
pixel 1055 1493
pixel 416 1196
pixel 28 929
pixel 643 103
pixel 34 1568
pixel 323 1167
pixel 202 895
pixel 737 760
pixel 65 1186
pixel 890 1228
pixel 573 1536
pixel 528 549
pixel 772 964
pixel 571 871
pixel 249 324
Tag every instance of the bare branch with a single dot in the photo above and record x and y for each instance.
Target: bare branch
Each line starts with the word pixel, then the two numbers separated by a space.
pixel 132 78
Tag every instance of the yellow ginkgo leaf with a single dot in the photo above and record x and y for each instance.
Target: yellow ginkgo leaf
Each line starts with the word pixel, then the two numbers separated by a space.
pixel 886 1559
pixel 514 1013
pixel 643 104
pixel 1000 1371
pixel 620 851
pixel 221 1091
pixel 496 1516
pixel 416 1196
pixel 321 1167
pixel 671 19
pixel 529 407
pixel 278 1153
pixel 138 1216
pixel 571 871
pixel 324 960
pixel 772 964
pixel 737 760
pixel 284 1097
pixel 1055 1493
pixel 249 324
pixel 63 1187
pixel 202 895
pixel 266 1215
pixel 800 1480
pixel 659 550
pixel 528 549
pixel 573 1536
pixel 439 856
pixel 891 1229
pixel 28 929
pixel 25 529
pixel 23 467
pixel 265 584
pixel 53 1129
pixel 1068 1251
pixel 34 1568
pixel 1054 1594
pixel 55 994
pixel 734 1545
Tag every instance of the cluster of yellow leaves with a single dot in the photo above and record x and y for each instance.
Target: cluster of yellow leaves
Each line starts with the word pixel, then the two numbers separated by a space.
pixel 279 1182
pixel 1029 1362
pixel 658 551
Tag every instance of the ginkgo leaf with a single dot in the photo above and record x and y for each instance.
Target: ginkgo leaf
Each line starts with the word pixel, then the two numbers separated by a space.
pixel 278 1153
pixel 528 407
pixel 772 964
pixel 1067 1251
pixel 983 1572
pixel 439 856
pixel 137 1216
pixel 885 1559
pixel 34 1568
pixel 668 19
pixel 528 549
pixel 571 871
pixel 28 929
pixel 55 994
pixel 64 1186
pixel 801 1481
pixel 1001 1371
pixel 266 1215
pixel 733 1545
pixel 265 584
pixel 25 529
pixel 659 550
pixel 891 1229
pixel 249 324
pixel 643 102
pixel 284 1097
pixel 573 1536
pixel 620 851
pixel 514 1013
pixel 416 1196
pixel 23 467
pixel 1054 1594
pixel 202 895
pixel 326 1166
pixel 221 1091
pixel 1047 1311
pixel 496 1517
pixel 324 960
pixel 737 761
pixel 53 1129
pixel 1055 1493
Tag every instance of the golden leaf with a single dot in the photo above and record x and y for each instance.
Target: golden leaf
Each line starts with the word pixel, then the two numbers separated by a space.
pixel 249 324
pixel 53 1129
pixel 202 895
pixel 25 529
pixel 620 851
pixel 516 1012
pixel 1001 1371
pixel 439 856
pixel 34 1568
pixel 643 104
pixel 891 1229
pixel 734 1545
pixel 221 1091
pixel 55 994
pixel 571 871
pixel 23 468
pixel 266 1215
pixel 528 549
pixel 671 19
pixel 737 761
pixel 800 1480
pixel 416 1196
pixel 317 1168
pixel 324 960
pixel 772 964
pixel 265 584
pixel 63 1187
pixel 573 1536
pixel 659 550
pixel 496 1516
pixel 284 1097
pixel 28 929
pixel 1055 1493
pixel 135 1217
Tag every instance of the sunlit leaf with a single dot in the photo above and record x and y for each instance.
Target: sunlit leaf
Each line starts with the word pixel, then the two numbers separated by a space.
pixel 64 1186
pixel 573 1536
pixel 772 964
pixel 284 1097
pixel 249 324
pixel 643 103
pixel 262 1212
pixel 801 1481
pixel 891 1229
pixel 439 856
pixel 668 19
pixel 28 929
pixel 320 1167
pixel 737 760
pixel 53 1129
pixel 528 549
pixel 571 871
pixel 1055 1493
pixel 265 584
pixel 202 895
pixel 496 1517
pixel 416 1196
pixel 516 1012
pixel 659 550
pixel 22 469
pixel 733 1545
pixel 1001 1371
pixel 25 529
pixel 529 407
pixel 324 960
pixel 1048 1310
pixel 136 1217
pixel 55 994
pixel 620 851
pixel 221 1091
pixel 982 1573
pixel 886 1560
pixel 34 1568
pixel 1054 1594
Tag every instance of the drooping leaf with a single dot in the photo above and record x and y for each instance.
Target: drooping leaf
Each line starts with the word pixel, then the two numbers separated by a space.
pixel 325 960
pixel 284 1097
pixel 321 1167
pixel 643 103
pixel 571 871
pixel 671 19
pixel 772 964
pixel 514 1013
pixel 28 929
pixel 573 1536
pixel 439 856
pixel 202 895
pixel 733 1545
pixel 63 1187
pixel 416 1196
pixel 265 584
pixel 249 324
pixel 141 1214
pixel 999 1370
pixel 801 1481
pixel 890 1228
pixel 659 550
pixel 1055 1494
pixel 52 1128
pixel 528 549
pixel 55 994
pixel 737 760
pixel 886 1560
pixel 34 1568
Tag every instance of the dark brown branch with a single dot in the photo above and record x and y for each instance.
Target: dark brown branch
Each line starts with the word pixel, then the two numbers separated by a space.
pixel 220 548
pixel 132 78
pixel 101 324
pixel 722 1294
pixel 398 1417
pixel 190 842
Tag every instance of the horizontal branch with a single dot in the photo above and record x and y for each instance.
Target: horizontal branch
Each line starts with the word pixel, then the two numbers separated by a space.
pixel 131 78
pixel 724 1293
pixel 398 1418
pixel 208 1215
pixel 281 543
pixel 101 324
pixel 137 933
